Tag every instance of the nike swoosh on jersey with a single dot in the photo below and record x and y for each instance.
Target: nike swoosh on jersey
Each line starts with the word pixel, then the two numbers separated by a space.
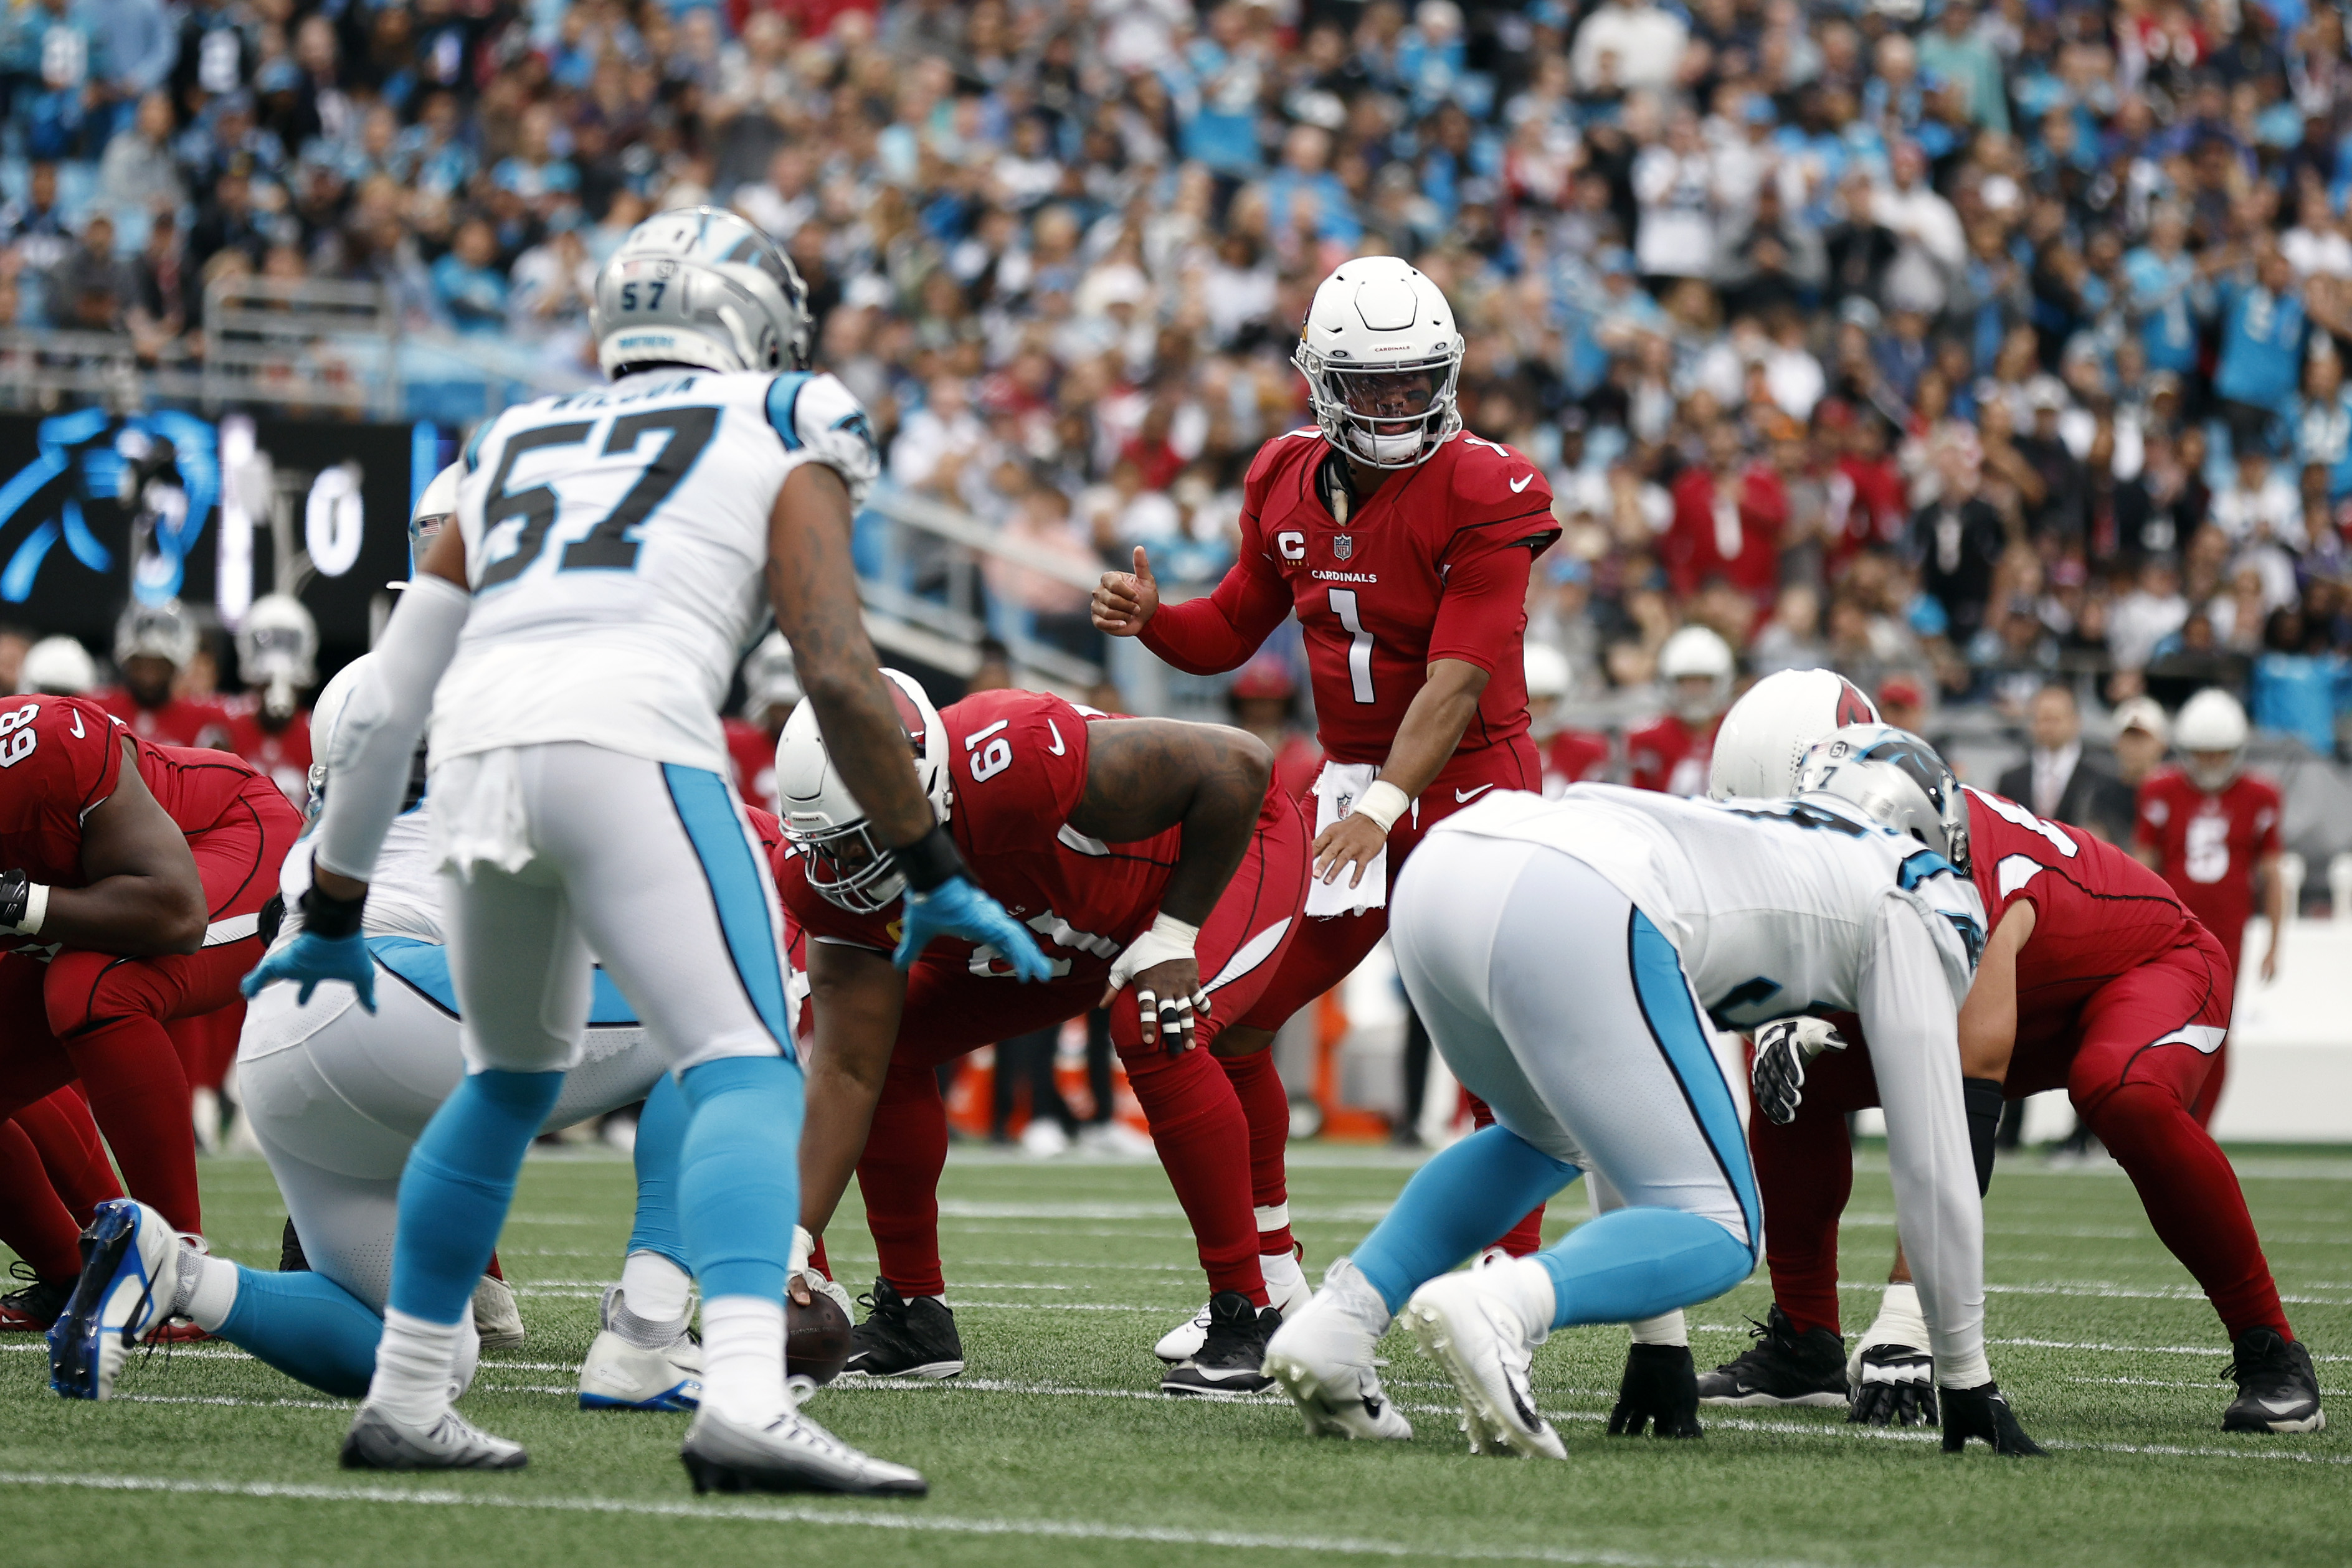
pixel 1521 484
pixel 1462 797
pixel 77 722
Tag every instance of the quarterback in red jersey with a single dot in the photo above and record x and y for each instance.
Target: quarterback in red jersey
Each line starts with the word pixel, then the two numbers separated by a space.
pixel 129 896
pixel 1404 544
pixel 1670 753
pixel 1147 855
pixel 153 643
pixel 2095 979
pixel 2211 829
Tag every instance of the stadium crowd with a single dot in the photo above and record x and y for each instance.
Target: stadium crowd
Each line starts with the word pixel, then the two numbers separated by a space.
pixel 1963 348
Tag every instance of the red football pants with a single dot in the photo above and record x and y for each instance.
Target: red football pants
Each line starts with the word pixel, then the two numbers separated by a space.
pixel 102 1017
pixel 53 1173
pixel 2133 1062
pixel 1196 1118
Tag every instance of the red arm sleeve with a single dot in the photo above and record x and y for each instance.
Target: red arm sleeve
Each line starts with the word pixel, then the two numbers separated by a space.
pixel 1483 608
pixel 1207 636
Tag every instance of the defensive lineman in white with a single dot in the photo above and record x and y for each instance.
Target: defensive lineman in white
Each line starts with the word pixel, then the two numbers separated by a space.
pixel 581 622
pixel 1568 956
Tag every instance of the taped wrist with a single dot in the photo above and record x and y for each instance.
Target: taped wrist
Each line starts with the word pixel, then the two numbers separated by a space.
pixel 1982 1098
pixel 1383 803
pixel 335 919
pixel 24 903
pixel 929 860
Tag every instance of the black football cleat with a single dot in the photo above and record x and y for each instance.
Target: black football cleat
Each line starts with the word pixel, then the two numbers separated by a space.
pixel 1981 1411
pixel 900 1338
pixel 36 1306
pixel 1231 1358
pixel 2277 1390
pixel 1784 1367
pixel 1660 1390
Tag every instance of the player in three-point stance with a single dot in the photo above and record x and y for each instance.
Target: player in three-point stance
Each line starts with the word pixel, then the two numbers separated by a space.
pixel 1403 544
pixel 580 621
pixel 1569 957
pixel 1148 855
pixel 2094 979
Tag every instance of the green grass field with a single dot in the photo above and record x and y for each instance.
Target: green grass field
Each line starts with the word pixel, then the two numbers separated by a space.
pixel 1056 1448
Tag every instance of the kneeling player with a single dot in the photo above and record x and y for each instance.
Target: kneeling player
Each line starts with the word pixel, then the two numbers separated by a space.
pixel 2094 979
pixel 337 1095
pixel 1568 956
pixel 1146 854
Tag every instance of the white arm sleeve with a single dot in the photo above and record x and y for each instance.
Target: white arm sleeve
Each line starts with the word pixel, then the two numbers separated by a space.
pixel 368 770
pixel 1911 1015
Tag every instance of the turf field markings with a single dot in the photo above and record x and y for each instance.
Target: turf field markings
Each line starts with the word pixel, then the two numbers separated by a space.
pixel 2173 1383
pixel 853 1518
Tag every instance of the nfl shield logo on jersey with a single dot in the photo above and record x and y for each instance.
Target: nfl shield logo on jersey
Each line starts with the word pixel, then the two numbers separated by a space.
pixel 1343 546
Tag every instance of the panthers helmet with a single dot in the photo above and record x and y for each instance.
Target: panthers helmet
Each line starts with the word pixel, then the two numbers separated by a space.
pixel 1765 735
pixel 58 667
pixel 155 629
pixel 1899 778
pixel 697 286
pixel 1379 333
pixel 847 866
pixel 434 511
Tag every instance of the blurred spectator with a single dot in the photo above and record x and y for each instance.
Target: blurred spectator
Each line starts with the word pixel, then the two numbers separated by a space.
pixel 2057 780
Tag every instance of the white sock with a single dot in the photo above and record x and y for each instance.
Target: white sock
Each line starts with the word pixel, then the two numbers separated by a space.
pixel 1527 1285
pixel 414 1363
pixel 743 1359
pixel 1285 1279
pixel 207 1292
pixel 1666 1328
pixel 1900 1321
pixel 655 1287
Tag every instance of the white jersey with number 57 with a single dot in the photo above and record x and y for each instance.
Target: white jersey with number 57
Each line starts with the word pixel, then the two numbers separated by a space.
pixel 616 541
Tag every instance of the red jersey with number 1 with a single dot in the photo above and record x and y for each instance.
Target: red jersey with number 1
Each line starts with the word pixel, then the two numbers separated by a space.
pixel 2208 846
pixel 2097 911
pixel 1434 566
pixel 1018 760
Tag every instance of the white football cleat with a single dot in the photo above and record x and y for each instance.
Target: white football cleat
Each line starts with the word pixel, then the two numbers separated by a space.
pixel 1286 1291
pixel 1115 1140
pixel 130 1277
pixel 622 1373
pixel 791 1453
pixel 1472 1330
pixel 1322 1357
pixel 497 1318
pixel 381 1441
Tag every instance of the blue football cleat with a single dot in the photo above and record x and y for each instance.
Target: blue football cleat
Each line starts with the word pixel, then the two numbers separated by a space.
pixel 129 1273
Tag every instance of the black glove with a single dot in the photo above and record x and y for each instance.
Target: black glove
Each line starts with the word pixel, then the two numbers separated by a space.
pixel 1659 1385
pixel 15 893
pixel 1783 1047
pixel 1981 1411
pixel 1897 1387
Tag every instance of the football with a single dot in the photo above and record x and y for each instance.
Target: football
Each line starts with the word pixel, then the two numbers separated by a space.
pixel 816 1339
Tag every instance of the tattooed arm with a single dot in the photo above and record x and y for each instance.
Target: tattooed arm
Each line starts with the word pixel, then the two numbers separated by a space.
pixel 1145 776
pixel 814 589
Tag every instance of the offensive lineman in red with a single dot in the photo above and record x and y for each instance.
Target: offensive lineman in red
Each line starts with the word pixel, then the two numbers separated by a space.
pixel 2094 978
pixel 1404 544
pixel 131 897
pixel 2212 830
pixel 1145 853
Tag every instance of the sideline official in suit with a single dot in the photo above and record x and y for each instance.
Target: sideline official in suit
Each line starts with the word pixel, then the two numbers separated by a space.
pixel 2058 780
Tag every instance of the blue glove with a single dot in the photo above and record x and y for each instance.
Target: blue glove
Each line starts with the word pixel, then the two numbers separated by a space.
pixel 958 908
pixel 312 958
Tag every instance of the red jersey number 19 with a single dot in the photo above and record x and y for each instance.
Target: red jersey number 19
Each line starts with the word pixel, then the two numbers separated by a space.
pixel 1359 651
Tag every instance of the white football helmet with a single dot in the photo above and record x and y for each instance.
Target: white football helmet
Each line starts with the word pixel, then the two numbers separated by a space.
pixel 435 509
pixel 1549 674
pixel 58 667
pixel 158 630
pixel 1764 738
pixel 769 679
pixel 1899 778
pixel 278 649
pixel 1692 653
pixel 2212 723
pixel 845 864
pixel 1381 358
pixel 697 286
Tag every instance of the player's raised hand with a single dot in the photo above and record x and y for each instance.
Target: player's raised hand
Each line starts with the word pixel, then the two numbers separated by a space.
pixel 957 907
pixel 1124 601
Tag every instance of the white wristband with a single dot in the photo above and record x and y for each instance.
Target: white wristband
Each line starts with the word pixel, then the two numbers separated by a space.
pixel 803 1244
pixel 37 908
pixel 1382 803
pixel 1168 938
